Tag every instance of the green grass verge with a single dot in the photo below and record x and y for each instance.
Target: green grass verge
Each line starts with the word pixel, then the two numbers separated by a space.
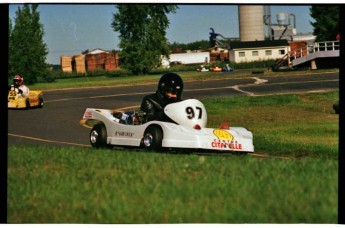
pixel 294 125
pixel 71 185
pixel 83 82
pixel 78 185
pixel 93 81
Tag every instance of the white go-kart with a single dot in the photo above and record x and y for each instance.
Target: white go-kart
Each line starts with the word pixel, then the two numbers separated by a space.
pixel 121 128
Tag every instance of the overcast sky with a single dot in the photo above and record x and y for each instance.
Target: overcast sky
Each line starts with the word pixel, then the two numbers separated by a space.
pixel 72 28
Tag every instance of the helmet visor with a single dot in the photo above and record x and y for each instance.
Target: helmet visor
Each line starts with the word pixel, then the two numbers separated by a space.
pixel 173 92
pixel 174 89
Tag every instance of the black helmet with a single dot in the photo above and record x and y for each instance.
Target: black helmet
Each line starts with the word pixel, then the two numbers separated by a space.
pixel 170 83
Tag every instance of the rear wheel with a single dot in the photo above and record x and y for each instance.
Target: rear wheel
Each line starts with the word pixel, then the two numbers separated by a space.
pixel 152 139
pixel 27 104
pixel 98 136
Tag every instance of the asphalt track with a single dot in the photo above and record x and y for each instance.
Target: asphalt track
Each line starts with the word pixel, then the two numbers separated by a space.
pixel 57 123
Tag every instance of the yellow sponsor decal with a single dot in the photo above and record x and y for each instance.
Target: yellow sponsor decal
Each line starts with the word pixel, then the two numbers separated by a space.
pixel 221 134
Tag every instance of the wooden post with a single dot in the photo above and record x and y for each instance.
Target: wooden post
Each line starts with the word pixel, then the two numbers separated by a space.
pixel 313 65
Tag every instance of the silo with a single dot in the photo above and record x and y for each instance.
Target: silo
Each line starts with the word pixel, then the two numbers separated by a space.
pixel 251 22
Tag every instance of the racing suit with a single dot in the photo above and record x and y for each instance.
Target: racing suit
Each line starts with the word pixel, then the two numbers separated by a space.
pixel 153 107
pixel 22 90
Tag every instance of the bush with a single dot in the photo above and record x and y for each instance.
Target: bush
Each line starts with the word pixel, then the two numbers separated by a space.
pixel 58 74
pixel 254 65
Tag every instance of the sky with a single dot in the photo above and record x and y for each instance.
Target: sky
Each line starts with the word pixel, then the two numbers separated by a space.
pixel 73 28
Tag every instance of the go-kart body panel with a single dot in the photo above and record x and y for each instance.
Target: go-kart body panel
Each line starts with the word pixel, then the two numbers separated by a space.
pixel 16 101
pixel 174 135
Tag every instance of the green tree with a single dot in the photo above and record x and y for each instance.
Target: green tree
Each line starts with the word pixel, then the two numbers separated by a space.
pixel 27 51
pixel 9 28
pixel 327 19
pixel 142 35
pixel 197 45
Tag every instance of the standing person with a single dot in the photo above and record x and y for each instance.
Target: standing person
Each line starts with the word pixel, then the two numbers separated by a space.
pixel 337 37
pixel 170 87
pixel 18 85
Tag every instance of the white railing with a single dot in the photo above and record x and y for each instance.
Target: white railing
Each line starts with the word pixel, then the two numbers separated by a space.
pixel 326 46
pixel 323 49
pixel 316 47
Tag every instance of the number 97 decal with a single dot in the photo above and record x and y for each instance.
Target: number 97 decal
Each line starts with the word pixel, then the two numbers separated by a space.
pixel 191 113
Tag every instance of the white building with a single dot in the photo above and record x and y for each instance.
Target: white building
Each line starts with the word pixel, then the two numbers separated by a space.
pixel 258 50
pixel 187 58
pixel 309 38
pixel 97 51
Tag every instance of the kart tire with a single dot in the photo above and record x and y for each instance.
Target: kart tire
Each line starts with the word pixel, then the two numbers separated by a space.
pixel 27 104
pixel 152 139
pixel 40 102
pixel 336 107
pixel 98 136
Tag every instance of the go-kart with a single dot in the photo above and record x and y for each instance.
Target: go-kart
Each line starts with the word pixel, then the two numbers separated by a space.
pixel 120 128
pixel 216 69
pixel 17 101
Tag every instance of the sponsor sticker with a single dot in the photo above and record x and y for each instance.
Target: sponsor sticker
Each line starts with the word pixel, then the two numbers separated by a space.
pixel 232 145
pixel 223 135
pixel 225 140
pixel 88 115
pixel 123 133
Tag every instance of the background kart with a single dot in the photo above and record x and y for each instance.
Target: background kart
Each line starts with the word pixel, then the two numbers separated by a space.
pixel 35 99
pixel 123 129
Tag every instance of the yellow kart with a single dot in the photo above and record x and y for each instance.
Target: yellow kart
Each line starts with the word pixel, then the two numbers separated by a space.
pixel 15 100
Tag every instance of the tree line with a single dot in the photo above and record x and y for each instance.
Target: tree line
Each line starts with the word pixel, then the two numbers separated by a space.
pixel 142 29
pixel 27 50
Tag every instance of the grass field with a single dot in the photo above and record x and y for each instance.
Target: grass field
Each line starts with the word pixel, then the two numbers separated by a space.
pixel 152 79
pixel 82 185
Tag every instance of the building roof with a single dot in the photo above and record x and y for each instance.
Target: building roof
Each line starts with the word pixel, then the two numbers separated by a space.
pixel 259 44
pixel 97 50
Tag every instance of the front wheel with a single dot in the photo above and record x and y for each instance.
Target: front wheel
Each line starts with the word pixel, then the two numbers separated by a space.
pixel 40 102
pixel 98 136
pixel 152 139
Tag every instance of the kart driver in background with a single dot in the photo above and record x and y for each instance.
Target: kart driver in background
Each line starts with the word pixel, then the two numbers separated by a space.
pixel 18 83
pixel 170 87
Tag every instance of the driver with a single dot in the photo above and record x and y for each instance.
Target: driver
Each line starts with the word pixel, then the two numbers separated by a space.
pixel 170 87
pixel 18 84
